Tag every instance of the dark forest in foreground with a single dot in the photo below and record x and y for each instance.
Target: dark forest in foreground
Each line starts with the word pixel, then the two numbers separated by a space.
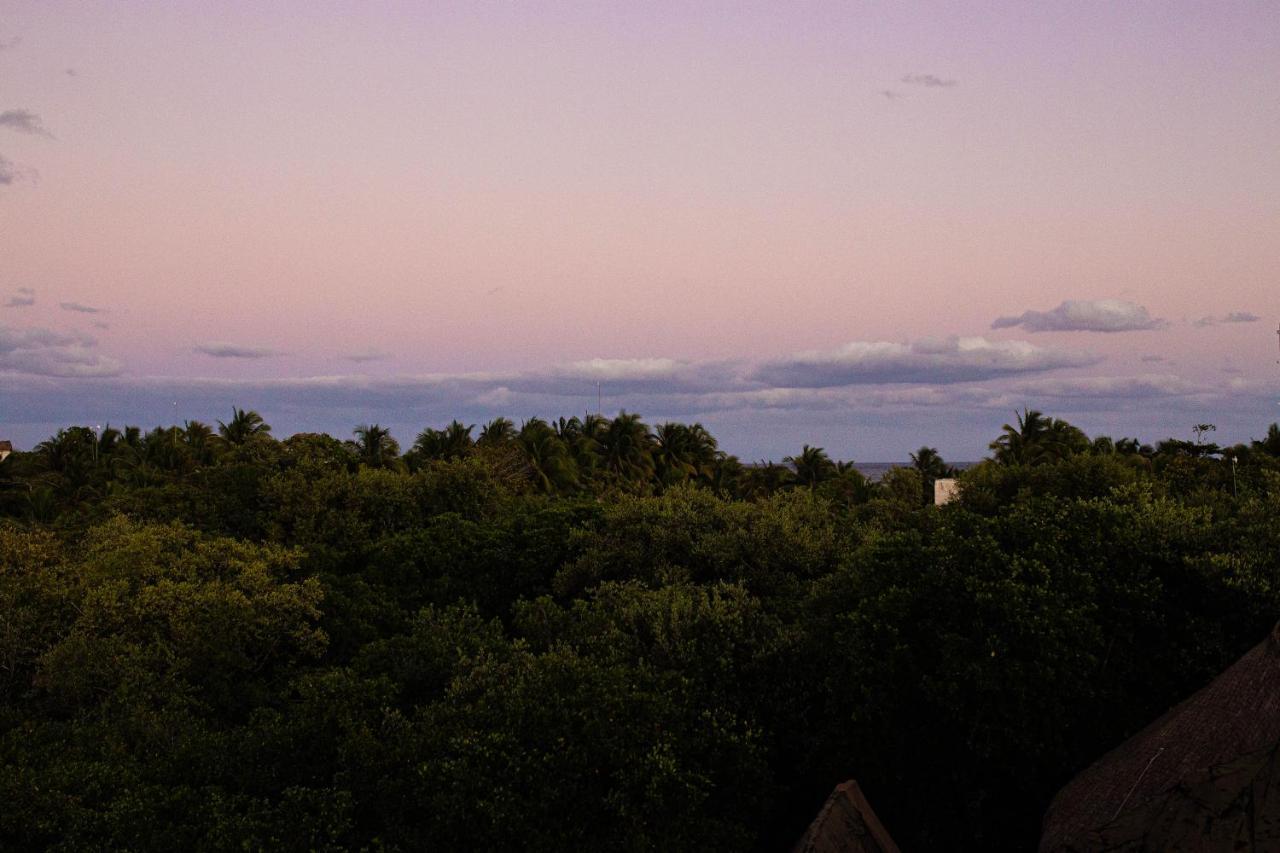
pixel 594 634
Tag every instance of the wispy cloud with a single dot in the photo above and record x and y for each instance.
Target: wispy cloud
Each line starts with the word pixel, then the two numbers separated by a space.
pixel 1232 317
pixel 24 121
pixel 225 350
pixel 41 352
pixel 79 308
pixel 1141 387
pixel 11 43
pixel 367 355
pixel 25 298
pixel 891 94
pixel 929 362
pixel 928 80
pixel 12 173
pixel 1098 315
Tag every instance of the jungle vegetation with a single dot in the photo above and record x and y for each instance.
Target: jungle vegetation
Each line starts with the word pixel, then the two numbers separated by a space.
pixel 596 633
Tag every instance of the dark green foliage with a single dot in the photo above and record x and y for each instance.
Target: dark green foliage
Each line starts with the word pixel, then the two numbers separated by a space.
pixel 588 634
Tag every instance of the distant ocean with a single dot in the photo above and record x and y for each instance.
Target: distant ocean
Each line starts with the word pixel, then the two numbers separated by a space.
pixel 876 470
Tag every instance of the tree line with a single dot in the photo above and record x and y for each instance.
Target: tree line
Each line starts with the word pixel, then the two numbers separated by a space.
pixel 594 633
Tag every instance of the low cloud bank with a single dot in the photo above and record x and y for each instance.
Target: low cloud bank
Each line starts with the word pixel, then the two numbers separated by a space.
pixel 948 391
pixel 942 361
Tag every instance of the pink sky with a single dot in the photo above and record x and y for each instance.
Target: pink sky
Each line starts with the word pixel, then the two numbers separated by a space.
pixel 501 189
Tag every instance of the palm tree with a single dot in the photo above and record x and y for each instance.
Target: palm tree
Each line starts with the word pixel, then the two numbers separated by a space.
pixel 115 453
pixel 626 448
pixel 847 485
pixel 496 432
pixel 551 465
pixel 930 464
pixel 1271 444
pixel 767 478
pixel 452 442
pixel 594 426
pixel 375 446
pixel 931 468
pixel 133 437
pixel 706 451
pixel 1038 440
pixel 1017 445
pixel 199 438
pixel 457 438
pixel 108 441
pixel 812 466
pixel 583 438
pixel 164 450
pixel 68 461
pixel 1133 447
pixel 675 454
pixel 243 426
pixel 728 476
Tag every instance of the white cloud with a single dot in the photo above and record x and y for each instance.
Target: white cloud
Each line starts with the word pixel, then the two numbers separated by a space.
pixel 611 369
pixel 927 362
pixel 1097 315
pixel 496 398
pixel 627 375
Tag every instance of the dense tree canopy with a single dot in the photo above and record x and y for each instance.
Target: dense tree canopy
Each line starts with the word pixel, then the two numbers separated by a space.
pixel 590 633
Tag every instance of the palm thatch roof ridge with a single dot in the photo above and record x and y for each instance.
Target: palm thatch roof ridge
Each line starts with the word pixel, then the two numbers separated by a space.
pixel 1202 777
pixel 846 823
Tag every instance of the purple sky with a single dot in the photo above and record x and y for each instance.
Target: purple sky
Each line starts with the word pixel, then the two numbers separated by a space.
pixel 868 226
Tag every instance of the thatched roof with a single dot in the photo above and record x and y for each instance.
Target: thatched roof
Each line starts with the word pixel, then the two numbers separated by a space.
pixel 846 824
pixel 1203 777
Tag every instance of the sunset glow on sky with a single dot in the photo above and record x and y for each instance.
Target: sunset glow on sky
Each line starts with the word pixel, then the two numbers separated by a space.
pixel 867 226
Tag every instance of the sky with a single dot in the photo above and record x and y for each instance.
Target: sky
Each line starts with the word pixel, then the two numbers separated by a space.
pixel 866 226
